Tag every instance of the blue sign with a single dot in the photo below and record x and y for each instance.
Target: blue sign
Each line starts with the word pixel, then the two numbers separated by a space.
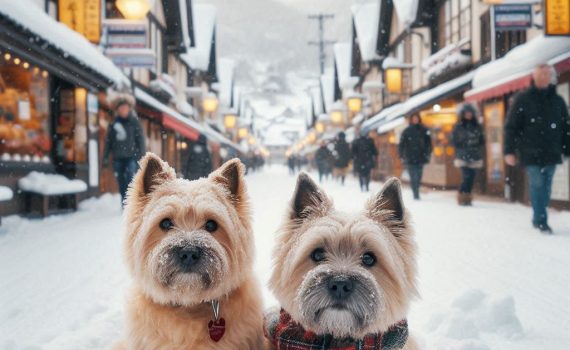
pixel 513 17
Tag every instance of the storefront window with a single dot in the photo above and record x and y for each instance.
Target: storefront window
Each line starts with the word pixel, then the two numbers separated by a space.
pixel 71 127
pixel 455 21
pixel 24 111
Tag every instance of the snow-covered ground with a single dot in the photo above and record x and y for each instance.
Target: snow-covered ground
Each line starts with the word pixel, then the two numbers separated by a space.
pixel 488 280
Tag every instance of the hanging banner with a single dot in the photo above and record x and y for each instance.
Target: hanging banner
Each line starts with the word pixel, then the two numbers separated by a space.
pixel 513 17
pixel 557 17
pixel 83 16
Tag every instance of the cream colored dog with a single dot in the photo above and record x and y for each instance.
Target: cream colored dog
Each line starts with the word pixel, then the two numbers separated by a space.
pixel 343 281
pixel 189 249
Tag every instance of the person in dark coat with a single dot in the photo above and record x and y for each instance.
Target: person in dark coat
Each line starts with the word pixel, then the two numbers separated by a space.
pixel 364 159
pixel 125 141
pixel 292 163
pixel 199 162
pixel 468 139
pixel 323 158
pixel 415 151
pixel 537 128
pixel 342 156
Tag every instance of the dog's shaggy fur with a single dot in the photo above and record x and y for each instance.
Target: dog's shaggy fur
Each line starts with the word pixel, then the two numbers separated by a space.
pixel 380 294
pixel 168 307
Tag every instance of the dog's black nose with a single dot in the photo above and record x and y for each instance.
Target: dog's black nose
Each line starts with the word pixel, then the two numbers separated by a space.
pixel 188 257
pixel 340 287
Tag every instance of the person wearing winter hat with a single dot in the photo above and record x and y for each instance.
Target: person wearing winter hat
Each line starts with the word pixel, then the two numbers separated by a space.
pixel 415 150
pixel 468 140
pixel 125 142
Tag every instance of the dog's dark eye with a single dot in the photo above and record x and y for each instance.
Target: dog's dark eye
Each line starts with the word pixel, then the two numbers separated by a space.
pixel 368 259
pixel 318 255
pixel 166 224
pixel 211 226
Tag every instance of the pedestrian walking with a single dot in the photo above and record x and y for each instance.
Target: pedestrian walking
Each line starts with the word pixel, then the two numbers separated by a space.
pixel 342 157
pixel 323 158
pixel 125 142
pixel 537 133
pixel 468 139
pixel 291 163
pixel 199 163
pixel 364 159
pixel 415 151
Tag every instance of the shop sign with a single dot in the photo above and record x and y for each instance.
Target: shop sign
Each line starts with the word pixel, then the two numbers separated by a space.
pixel 513 17
pixel 83 16
pixel 557 17
pixel 131 58
pixel 126 34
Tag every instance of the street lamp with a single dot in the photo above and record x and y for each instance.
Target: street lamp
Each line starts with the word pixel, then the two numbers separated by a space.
pixel 134 9
pixel 251 140
pixel 242 133
pixel 210 103
pixel 230 121
pixel 312 137
pixel 393 74
pixel 354 104
pixel 320 127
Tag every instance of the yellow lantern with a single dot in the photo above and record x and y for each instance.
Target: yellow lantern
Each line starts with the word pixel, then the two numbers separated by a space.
pixel 134 9
pixel 210 103
pixel 337 117
pixel 394 80
pixel 251 140
pixel 354 104
pixel 242 133
pixel 320 127
pixel 312 137
pixel 230 121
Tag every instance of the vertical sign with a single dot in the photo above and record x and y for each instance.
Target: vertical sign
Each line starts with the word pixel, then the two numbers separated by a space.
pixel 557 17
pixel 83 16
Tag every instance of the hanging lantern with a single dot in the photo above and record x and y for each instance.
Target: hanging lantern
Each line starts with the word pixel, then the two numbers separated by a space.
pixel 134 9
pixel 242 133
pixel 230 121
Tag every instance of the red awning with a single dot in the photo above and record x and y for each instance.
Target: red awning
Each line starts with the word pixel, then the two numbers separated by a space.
pixel 512 85
pixel 516 83
pixel 179 126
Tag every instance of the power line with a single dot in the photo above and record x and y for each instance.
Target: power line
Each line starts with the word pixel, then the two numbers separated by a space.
pixel 321 43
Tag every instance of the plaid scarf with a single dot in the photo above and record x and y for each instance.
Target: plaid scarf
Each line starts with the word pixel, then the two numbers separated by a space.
pixel 286 334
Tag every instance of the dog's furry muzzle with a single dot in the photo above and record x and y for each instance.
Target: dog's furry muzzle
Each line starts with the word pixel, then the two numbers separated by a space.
pixel 323 312
pixel 171 271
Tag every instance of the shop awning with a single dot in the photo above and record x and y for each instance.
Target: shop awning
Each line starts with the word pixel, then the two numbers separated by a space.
pixel 217 137
pixel 513 72
pixel 70 44
pixel 419 101
pixel 391 125
pixel 171 119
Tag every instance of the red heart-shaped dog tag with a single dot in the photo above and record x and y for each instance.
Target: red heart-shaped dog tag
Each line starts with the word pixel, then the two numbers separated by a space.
pixel 217 329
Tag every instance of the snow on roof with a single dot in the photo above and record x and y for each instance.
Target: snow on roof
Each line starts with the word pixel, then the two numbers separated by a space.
pixel 50 184
pixel 184 107
pixel 390 125
pixel 327 86
pixel 366 17
pixel 184 22
pixel 407 11
pixel 151 101
pixel 226 77
pixel 6 193
pixel 379 118
pixel 343 61
pixel 67 40
pixel 204 18
pixel 519 61
pixel 317 100
pixel 219 138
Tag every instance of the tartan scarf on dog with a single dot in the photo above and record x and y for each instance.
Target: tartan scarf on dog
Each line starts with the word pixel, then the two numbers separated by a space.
pixel 286 334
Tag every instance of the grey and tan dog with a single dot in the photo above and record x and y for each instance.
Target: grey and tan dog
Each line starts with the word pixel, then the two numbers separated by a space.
pixel 342 278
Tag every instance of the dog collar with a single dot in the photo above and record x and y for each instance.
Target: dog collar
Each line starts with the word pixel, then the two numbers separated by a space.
pixel 285 333
pixel 217 326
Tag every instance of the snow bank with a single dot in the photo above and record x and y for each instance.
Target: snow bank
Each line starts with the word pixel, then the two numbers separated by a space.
pixel 50 184
pixel 471 316
pixel 5 193
pixel 70 42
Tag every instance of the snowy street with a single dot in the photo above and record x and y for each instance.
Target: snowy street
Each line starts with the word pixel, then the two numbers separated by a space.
pixel 488 279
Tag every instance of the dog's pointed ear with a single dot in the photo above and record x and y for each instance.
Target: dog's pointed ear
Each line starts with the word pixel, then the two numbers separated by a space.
pixel 153 172
pixel 387 206
pixel 231 175
pixel 308 200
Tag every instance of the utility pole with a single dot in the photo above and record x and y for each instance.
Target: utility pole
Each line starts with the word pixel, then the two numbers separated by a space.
pixel 321 17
